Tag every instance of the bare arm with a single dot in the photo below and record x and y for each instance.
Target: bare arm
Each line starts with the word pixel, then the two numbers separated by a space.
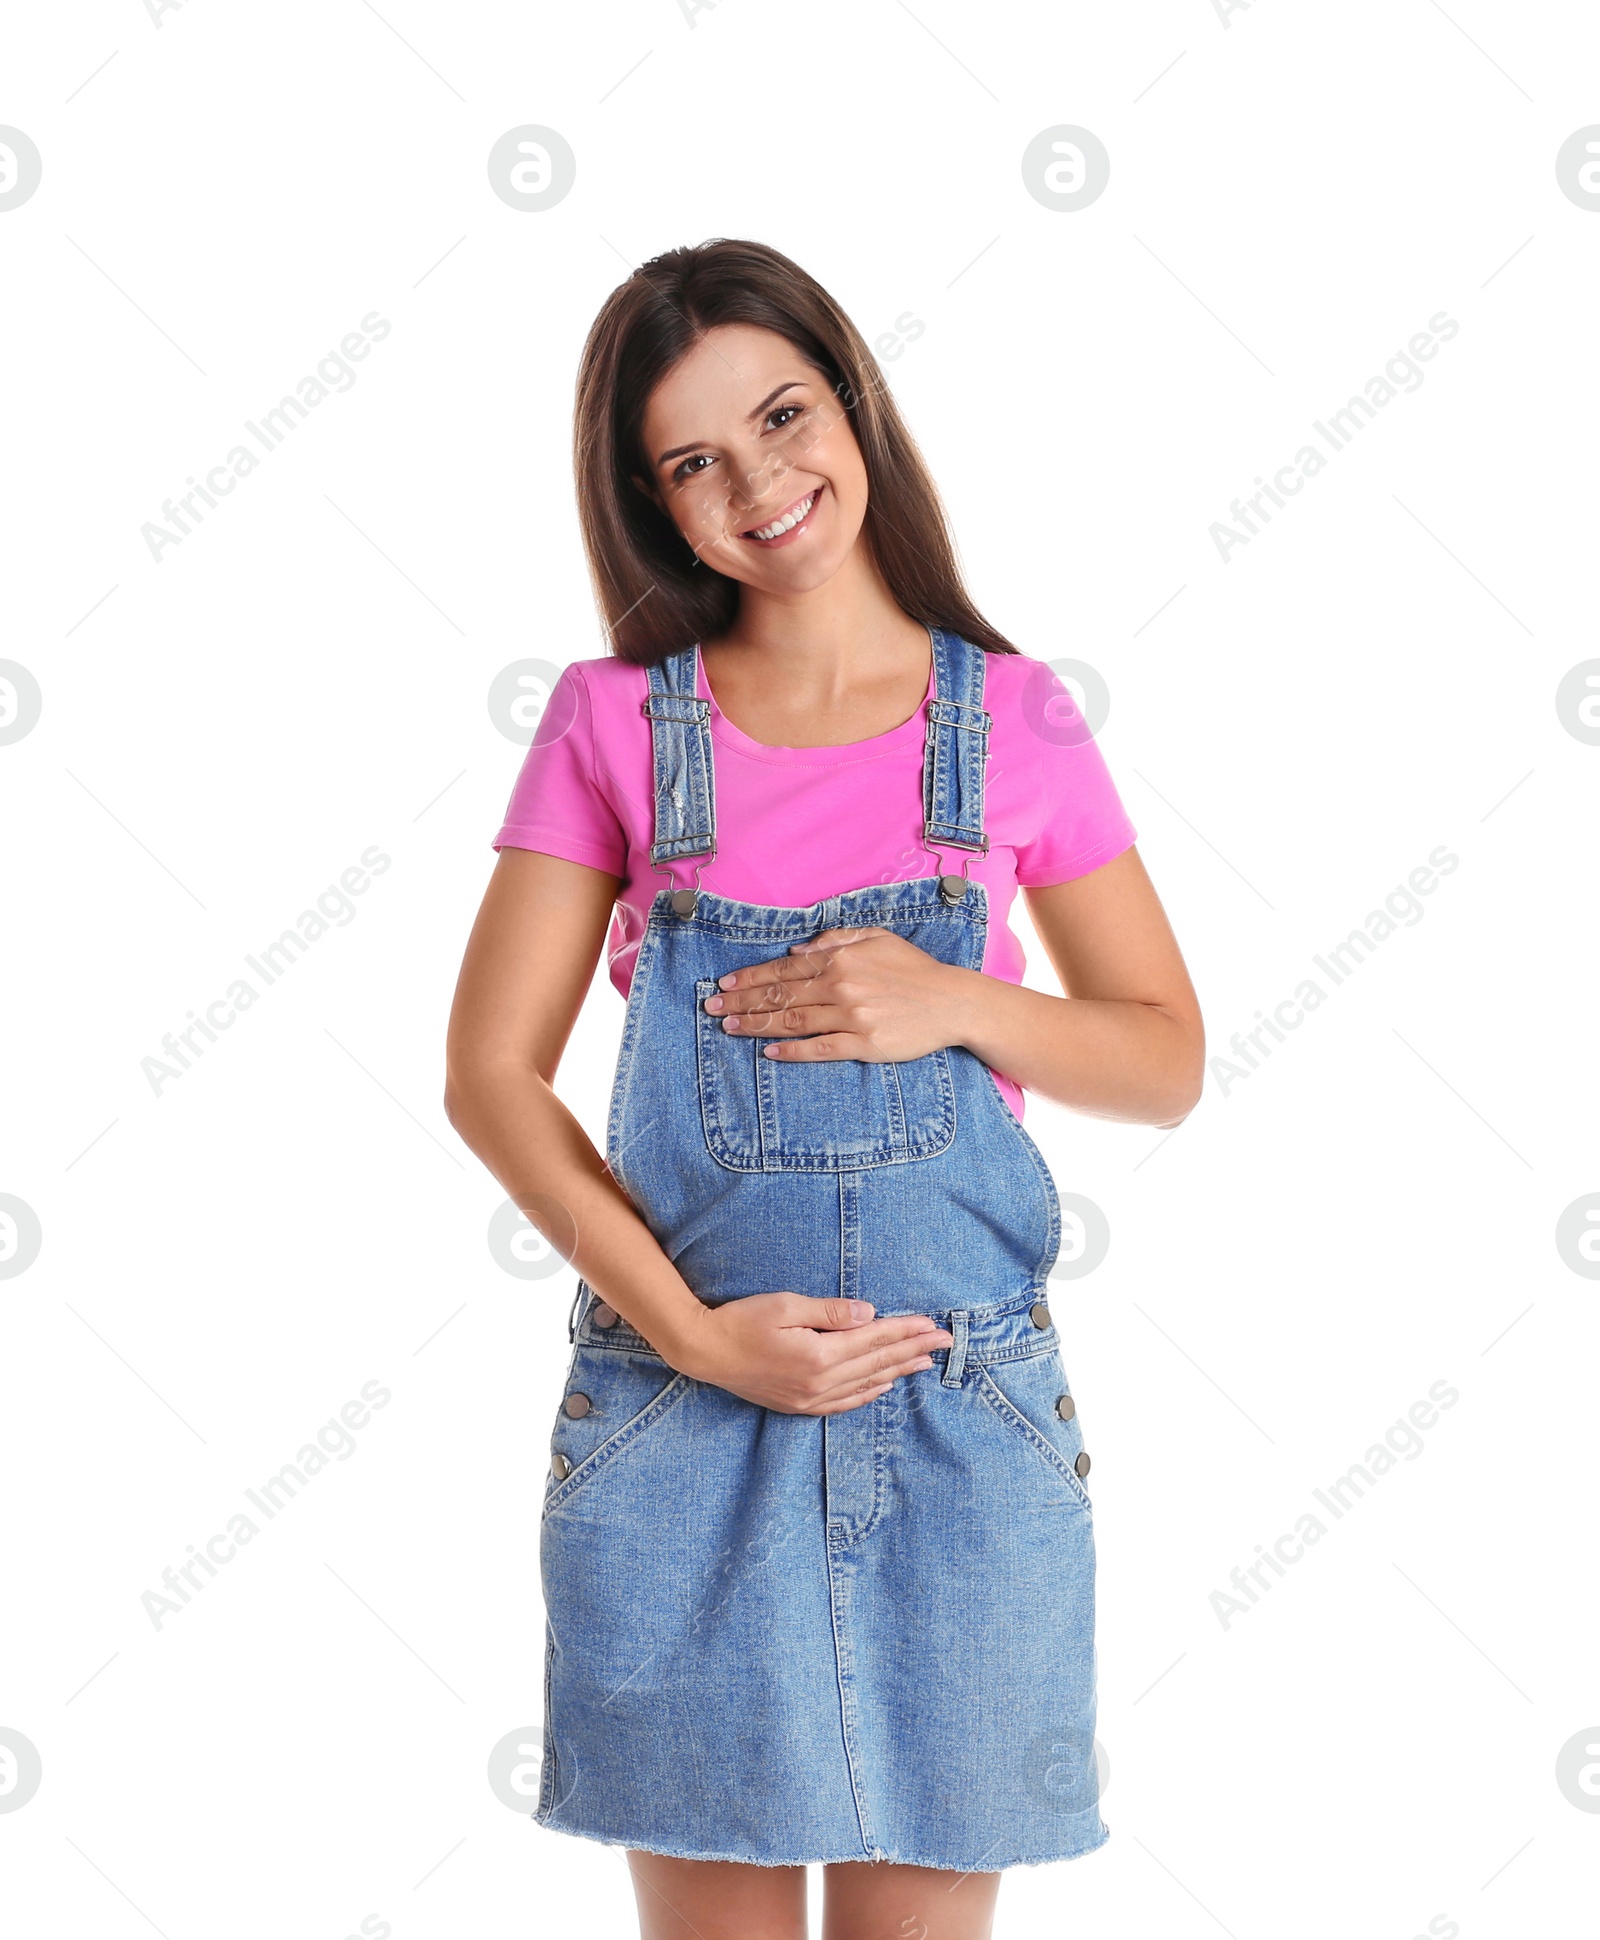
pixel 528 966
pixel 1126 1041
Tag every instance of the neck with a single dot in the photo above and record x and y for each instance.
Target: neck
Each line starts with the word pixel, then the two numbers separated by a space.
pixel 828 640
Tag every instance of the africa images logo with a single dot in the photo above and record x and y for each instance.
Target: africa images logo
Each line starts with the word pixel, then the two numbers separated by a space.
pixel 1403 372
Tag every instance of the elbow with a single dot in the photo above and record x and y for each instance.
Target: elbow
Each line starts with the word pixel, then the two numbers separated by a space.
pixel 1179 1111
pixel 466 1082
pixel 479 1078
pixel 1187 1077
pixel 457 1103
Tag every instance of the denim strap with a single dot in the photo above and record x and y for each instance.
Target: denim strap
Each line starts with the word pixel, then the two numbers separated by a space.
pixel 952 771
pixel 958 745
pixel 680 739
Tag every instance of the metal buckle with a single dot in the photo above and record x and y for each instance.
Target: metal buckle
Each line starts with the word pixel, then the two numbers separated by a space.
pixel 953 888
pixel 684 902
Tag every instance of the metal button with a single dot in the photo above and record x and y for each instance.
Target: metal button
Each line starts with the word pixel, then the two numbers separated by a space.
pixel 683 901
pixel 1081 1466
pixel 577 1405
pixel 560 1467
pixel 1039 1314
pixel 1066 1407
pixel 952 888
pixel 603 1316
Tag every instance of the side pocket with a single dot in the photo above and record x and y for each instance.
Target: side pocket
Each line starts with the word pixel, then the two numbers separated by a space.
pixel 621 1397
pixel 1026 1395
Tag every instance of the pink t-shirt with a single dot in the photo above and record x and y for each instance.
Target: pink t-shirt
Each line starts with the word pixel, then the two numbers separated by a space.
pixel 796 825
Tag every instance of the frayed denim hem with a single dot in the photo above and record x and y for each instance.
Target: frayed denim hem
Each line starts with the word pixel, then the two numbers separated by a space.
pixel 987 1863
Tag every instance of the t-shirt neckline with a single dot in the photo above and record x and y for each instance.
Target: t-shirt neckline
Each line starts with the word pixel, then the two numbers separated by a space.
pixel 872 749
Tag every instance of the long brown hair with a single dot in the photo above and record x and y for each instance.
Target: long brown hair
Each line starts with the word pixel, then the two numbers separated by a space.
pixel 653 597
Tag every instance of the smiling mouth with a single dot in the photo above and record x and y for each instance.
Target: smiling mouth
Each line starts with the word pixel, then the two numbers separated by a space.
pixel 788 521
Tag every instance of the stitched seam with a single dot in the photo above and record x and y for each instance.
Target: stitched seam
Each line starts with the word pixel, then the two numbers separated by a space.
pixel 630 1343
pixel 850 1224
pixel 755 931
pixel 1052 1201
pixel 844 1670
pixel 632 1024
pixel 1001 1356
pixel 547 1787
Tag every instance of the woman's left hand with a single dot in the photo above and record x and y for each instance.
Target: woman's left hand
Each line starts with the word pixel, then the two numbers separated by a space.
pixel 866 994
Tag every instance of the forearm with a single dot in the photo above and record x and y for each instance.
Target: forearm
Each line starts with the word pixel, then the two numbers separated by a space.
pixel 513 1120
pixel 1114 1058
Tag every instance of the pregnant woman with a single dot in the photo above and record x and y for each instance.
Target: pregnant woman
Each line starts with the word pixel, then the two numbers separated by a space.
pixel 817 1549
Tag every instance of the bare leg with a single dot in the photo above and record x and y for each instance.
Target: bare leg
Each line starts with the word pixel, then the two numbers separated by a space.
pixel 717 1899
pixel 863 1901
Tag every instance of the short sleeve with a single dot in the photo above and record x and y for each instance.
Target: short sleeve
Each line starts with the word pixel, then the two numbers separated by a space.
pixel 1083 823
pixel 557 806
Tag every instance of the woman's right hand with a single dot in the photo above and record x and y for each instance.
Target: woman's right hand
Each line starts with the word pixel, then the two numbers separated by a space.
pixel 800 1355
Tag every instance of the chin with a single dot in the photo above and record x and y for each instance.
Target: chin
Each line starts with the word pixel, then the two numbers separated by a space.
pixel 804 579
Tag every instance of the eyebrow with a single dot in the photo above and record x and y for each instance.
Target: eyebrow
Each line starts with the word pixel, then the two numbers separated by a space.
pixel 680 451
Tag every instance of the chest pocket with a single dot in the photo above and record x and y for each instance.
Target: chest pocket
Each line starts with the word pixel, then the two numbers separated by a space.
pixel 766 1115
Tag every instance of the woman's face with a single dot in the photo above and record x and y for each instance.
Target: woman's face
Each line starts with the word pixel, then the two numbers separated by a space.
pixel 743 434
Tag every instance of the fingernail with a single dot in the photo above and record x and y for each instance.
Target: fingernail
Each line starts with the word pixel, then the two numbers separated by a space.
pixel 714 1003
pixel 727 982
pixel 730 1023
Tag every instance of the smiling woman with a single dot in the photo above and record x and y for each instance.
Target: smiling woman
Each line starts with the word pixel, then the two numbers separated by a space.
pixel 816 1544
pixel 651 511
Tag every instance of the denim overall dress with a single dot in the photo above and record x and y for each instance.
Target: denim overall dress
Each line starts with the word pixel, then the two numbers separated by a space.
pixel 790 1639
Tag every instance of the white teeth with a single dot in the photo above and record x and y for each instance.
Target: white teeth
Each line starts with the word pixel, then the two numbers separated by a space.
pixel 788 521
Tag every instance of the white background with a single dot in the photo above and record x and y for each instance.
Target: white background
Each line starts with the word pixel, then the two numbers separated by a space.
pixel 1294 192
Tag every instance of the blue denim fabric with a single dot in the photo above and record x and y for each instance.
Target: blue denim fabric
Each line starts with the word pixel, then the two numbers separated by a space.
pixel 791 1639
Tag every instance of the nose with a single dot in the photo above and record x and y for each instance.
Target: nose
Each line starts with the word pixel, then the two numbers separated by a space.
pixel 761 483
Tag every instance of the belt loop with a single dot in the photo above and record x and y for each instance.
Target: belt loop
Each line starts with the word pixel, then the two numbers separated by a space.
pixel 956 1364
